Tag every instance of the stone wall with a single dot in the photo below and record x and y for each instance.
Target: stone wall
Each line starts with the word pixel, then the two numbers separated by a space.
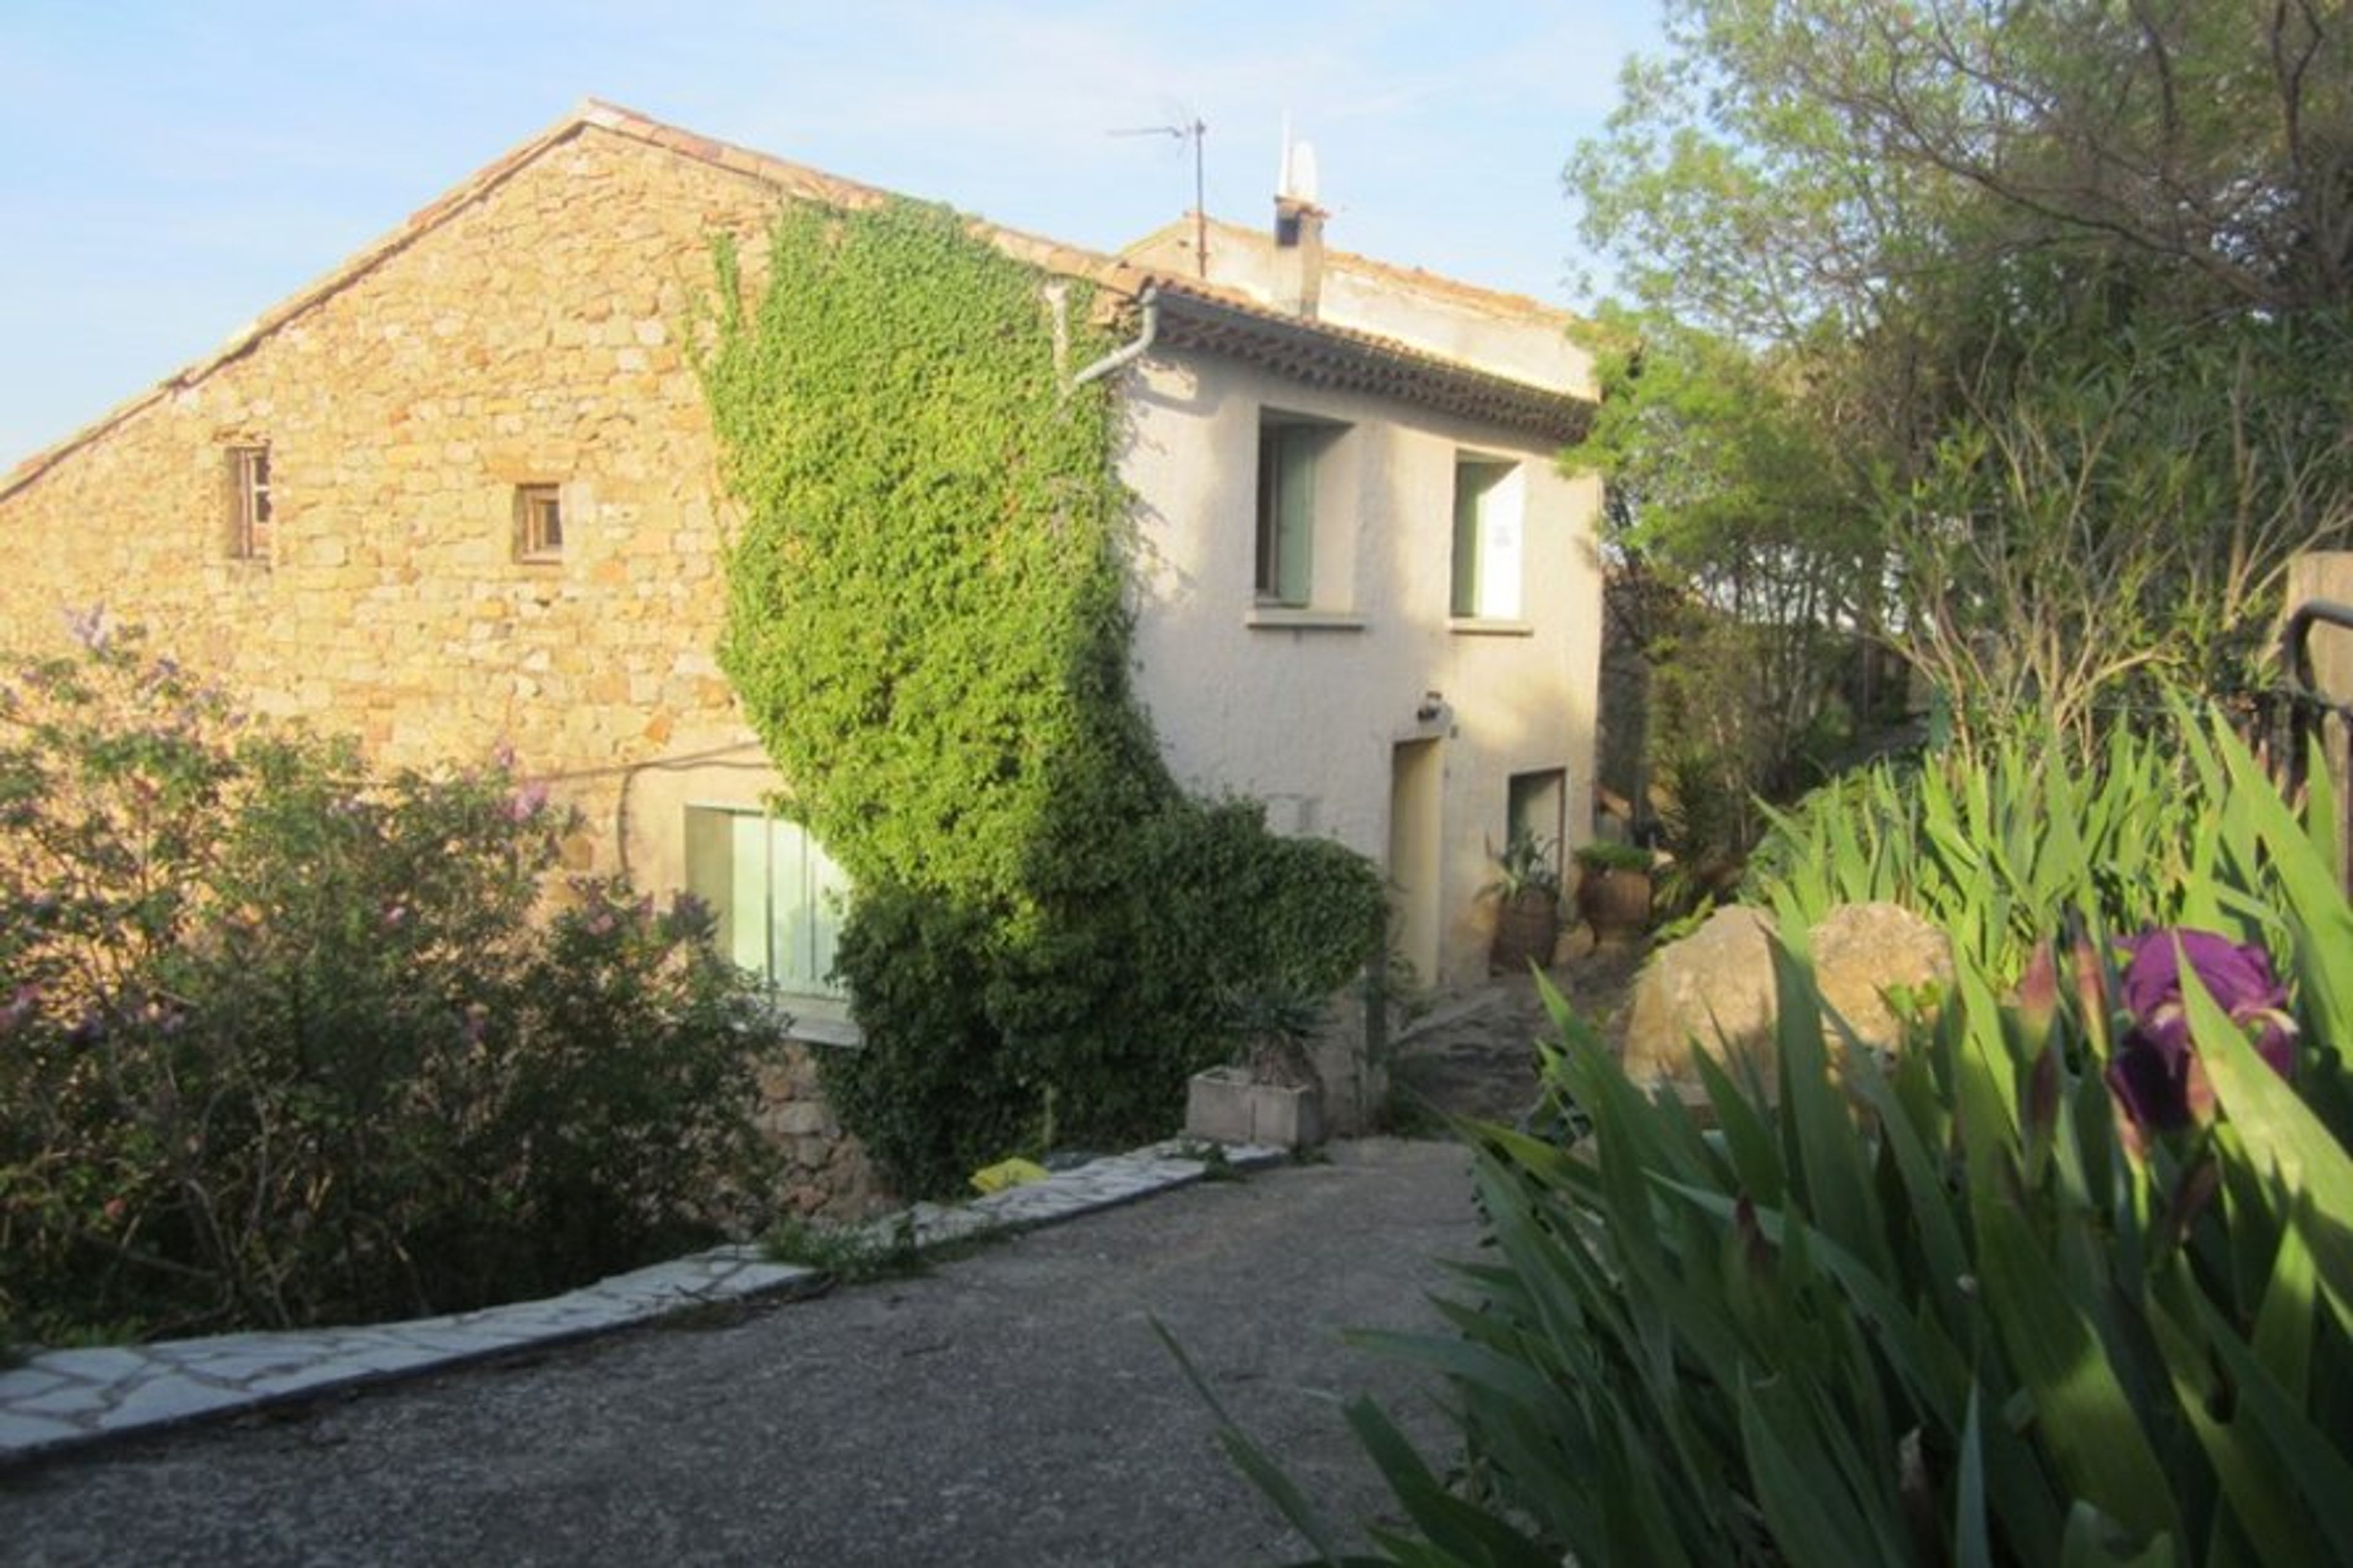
pixel 531 337
pixel 1622 738
pixel 826 1173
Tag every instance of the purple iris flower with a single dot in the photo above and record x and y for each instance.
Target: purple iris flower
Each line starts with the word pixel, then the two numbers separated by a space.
pixel 2154 1072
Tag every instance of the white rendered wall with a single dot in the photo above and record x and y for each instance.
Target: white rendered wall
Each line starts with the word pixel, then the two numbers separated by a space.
pixel 1306 715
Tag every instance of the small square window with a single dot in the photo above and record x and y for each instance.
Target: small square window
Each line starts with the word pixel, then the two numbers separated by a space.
pixel 539 523
pixel 249 513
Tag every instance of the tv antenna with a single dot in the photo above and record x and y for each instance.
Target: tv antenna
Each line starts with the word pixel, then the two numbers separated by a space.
pixel 1196 130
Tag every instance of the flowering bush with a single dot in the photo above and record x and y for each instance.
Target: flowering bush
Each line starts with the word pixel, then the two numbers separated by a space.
pixel 282 1042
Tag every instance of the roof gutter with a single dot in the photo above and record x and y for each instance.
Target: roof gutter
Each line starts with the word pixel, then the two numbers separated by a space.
pixel 1321 355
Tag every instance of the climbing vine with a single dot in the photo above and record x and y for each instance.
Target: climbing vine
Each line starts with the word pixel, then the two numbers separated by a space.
pixel 928 626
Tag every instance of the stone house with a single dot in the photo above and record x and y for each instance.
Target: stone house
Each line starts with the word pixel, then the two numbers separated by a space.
pixel 462 491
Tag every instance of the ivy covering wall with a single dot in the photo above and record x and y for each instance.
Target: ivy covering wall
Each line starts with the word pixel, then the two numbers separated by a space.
pixel 928 625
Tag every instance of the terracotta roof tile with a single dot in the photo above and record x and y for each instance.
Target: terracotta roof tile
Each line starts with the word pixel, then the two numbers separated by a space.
pixel 1316 351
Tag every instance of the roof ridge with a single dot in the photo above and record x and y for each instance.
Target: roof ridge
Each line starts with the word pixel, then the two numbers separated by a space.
pixel 1119 272
pixel 1440 283
pixel 336 279
pixel 796 180
pixel 836 190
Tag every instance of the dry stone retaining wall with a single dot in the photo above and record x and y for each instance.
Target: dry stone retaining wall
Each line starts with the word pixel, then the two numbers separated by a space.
pixel 827 1172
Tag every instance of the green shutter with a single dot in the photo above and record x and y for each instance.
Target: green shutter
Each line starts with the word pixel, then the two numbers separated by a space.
pixel 1286 512
pixel 1467 491
pixel 805 912
pixel 1298 576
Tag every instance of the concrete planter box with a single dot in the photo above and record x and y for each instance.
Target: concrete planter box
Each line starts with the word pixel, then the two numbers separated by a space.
pixel 1225 1105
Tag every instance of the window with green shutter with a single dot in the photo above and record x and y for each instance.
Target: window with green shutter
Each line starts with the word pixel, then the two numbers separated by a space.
pixel 1486 578
pixel 1289 449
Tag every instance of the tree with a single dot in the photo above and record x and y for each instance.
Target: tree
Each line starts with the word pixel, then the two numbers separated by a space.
pixel 1744 568
pixel 2062 279
pixel 2122 521
pixel 1805 160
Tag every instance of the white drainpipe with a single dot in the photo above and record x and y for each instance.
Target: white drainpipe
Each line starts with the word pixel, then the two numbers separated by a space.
pixel 1150 299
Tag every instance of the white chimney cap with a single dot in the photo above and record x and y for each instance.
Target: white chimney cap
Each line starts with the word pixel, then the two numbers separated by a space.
pixel 1299 170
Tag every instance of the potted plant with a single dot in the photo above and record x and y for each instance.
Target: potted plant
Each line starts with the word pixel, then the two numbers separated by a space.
pixel 1527 912
pixel 1613 889
pixel 1270 1093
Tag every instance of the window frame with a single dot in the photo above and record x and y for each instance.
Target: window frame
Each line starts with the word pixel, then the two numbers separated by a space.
pixel 1289 506
pixel 710 839
pixel 1486 516
pixel 539 523
pixel 251 502
pixel 1535 805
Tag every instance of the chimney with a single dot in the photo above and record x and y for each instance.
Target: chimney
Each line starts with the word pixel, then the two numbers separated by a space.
pixel 1298 232
pixel 1298 254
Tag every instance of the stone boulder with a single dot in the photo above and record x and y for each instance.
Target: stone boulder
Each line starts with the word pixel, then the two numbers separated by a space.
pixel 1862 951
pixel 1715 986
pixel 1714 990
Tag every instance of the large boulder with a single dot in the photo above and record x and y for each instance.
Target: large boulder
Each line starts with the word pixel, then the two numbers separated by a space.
pixel 1715 986
pixel 1714 990
pixel 1861 952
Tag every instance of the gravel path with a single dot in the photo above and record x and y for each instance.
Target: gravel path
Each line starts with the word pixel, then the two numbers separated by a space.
pixel 1013 1407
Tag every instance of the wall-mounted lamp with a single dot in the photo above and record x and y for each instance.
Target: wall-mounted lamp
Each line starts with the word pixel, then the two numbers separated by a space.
pixel 1433 708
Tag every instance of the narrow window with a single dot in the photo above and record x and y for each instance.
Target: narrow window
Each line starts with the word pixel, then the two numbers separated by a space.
pixel 1288 452
pixel 1486 579
pixel 539 523
pixel 1536 810
pixel 248 504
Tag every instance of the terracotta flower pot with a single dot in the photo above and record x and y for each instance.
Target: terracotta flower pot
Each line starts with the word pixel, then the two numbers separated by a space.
pixel 1615 901
pixel 1527 925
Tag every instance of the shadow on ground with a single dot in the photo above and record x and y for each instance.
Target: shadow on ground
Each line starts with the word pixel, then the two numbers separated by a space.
pixel 1471 1052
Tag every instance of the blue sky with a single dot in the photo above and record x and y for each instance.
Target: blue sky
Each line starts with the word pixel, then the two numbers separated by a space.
pixel 174 169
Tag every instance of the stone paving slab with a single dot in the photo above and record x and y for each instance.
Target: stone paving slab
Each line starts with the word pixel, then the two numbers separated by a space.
pixel 65 1398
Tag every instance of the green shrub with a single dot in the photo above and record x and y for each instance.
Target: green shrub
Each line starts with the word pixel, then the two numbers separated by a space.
pixel 929 628
pixel 934 1094
pixel 283 1042
pixel 1977 1305
pixel 1608 855
pixel 986 1036
pixel 2001 850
